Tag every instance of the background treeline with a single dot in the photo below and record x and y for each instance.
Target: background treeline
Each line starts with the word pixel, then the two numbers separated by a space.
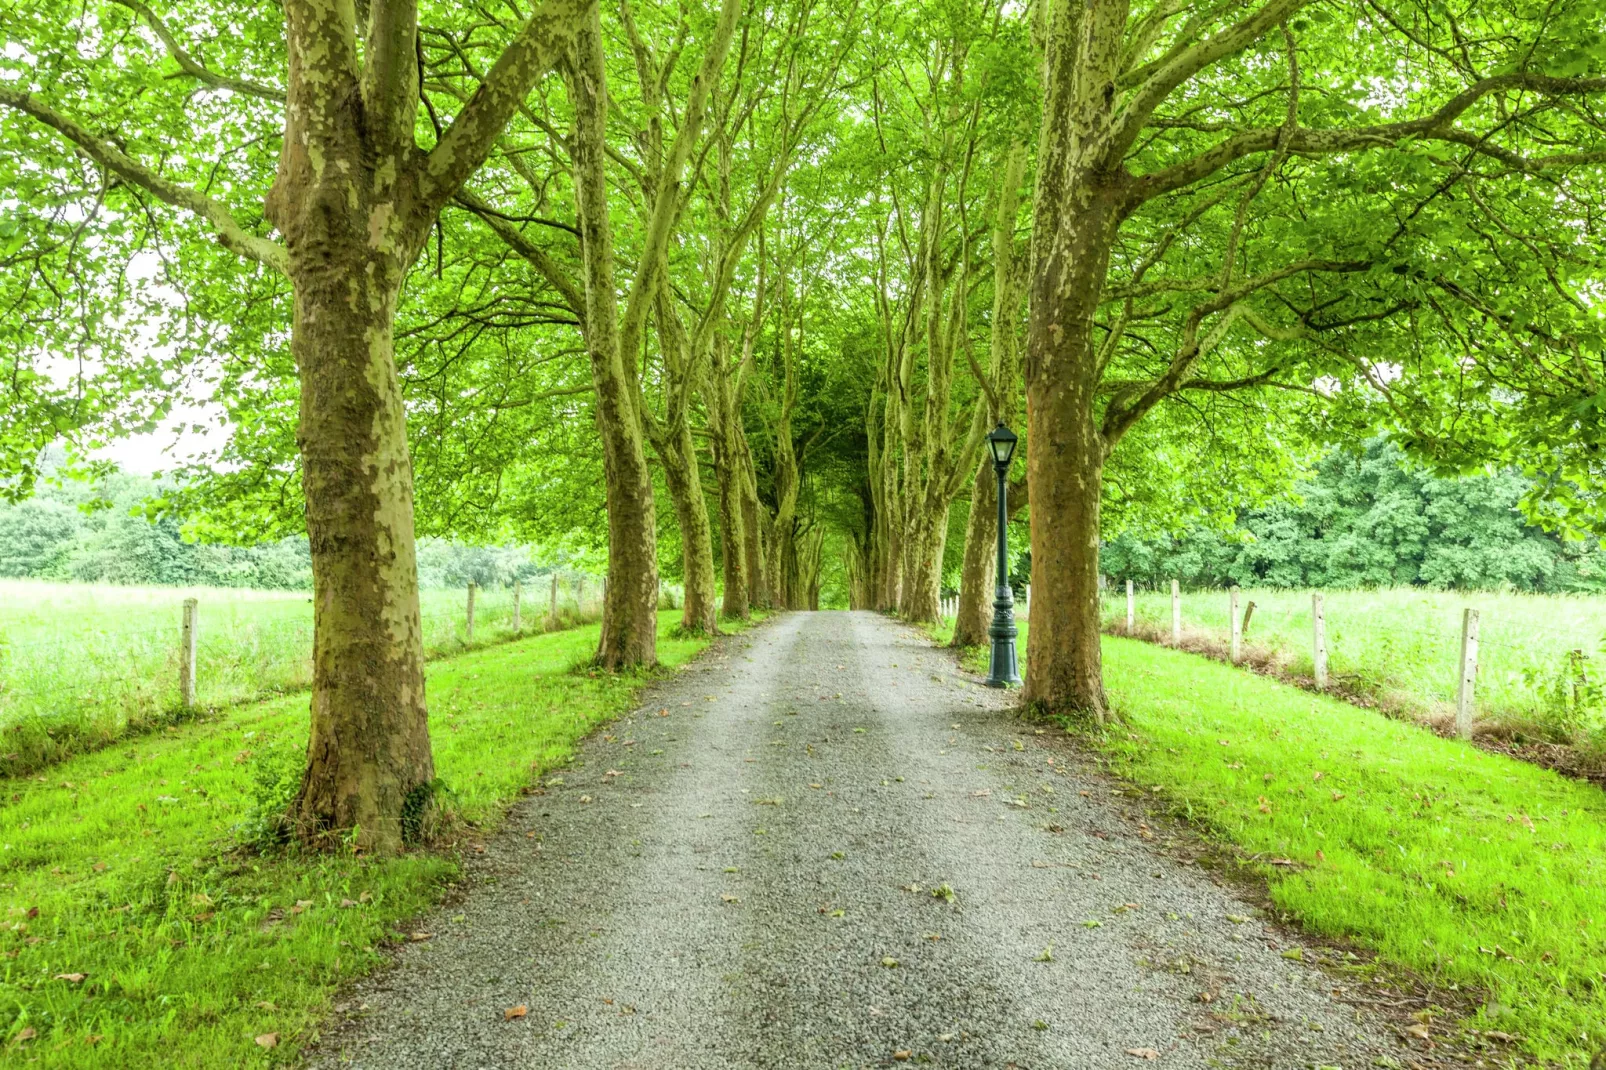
pixel 1371 518
pixel 104 532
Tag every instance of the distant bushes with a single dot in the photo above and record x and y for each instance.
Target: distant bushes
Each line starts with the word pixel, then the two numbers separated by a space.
pixel 1372 519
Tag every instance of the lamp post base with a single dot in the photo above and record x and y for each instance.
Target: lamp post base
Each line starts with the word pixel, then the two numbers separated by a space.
pixel 1002 670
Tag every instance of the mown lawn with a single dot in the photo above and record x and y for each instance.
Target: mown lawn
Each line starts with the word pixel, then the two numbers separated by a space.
pixel 136 933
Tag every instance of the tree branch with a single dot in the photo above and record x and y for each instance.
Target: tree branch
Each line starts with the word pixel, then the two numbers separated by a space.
pixel 1436 126
pixel 551 29
pixel 193 67
pixel 229 230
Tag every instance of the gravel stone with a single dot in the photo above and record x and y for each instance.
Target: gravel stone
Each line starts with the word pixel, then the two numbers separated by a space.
pixel 751 884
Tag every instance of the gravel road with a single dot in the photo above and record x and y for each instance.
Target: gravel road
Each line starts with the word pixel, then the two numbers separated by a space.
pixel 823 845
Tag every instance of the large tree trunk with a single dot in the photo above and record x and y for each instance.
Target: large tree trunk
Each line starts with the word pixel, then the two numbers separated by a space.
pixel 976 575
pixel 925 539
pixel 369 766
pixel 1065 451
pixel 1065 465
pixel 700 615
pixel 630 611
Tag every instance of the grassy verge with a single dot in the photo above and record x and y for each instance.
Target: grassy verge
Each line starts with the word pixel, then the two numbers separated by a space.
pixel 1540 670
pixel 84 666
pixel 1472 869
pixel 121 867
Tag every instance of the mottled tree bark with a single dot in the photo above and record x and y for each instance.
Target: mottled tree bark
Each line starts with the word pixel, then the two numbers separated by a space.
pixel 1077 212
pixel 354 198
pixel 630 611
pixel 976 579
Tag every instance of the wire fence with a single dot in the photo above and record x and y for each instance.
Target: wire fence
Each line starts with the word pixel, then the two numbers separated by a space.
pixel 72 677
pixel 1533 660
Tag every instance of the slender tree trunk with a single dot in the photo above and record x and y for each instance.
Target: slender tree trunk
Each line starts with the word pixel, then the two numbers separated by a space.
pixel 700 614
pixel 732 526
pixel 754 549
pixel 976 576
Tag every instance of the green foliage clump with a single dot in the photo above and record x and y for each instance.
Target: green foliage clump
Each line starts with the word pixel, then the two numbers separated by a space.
pixel 1371 519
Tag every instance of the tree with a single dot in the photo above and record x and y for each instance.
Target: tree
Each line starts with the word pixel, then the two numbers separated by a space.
pixel 1208 220
pixel 353 199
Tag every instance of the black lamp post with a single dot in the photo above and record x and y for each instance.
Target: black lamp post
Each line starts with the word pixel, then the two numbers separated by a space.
pixel 1003 671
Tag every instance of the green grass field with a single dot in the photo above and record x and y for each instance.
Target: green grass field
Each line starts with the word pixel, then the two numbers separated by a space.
pixel 1402 647
pixel 80 664
pixel 1473 870
pixel 124 866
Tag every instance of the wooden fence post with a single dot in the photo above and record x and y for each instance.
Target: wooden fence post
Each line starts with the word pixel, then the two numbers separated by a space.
pixel 552 613
pixel 517 590
pixel 1176 613
pixel 1236 625
pixel 1131 608
pixel 1249 614
pixel 186 655
pixel 1318 623
pixel 1469 673
pixel 469 630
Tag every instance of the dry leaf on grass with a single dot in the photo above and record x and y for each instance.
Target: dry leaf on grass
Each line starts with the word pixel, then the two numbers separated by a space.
pixel 72 978
pixel 268 1040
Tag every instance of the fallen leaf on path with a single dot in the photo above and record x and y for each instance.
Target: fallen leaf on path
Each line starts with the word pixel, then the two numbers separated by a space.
pixel 419 938
pixel 1417 1030
pixel 982 794
pixel 728 898
pixel 903 1055
pixel 583 798
pixel 889 962
pixel 515 1012
pixel 1143 1053
pixel 268 1040
pixel 1237 919
pixel 613 772
pixel 72 978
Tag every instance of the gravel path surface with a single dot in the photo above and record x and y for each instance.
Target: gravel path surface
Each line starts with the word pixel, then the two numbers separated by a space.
pixel 742 874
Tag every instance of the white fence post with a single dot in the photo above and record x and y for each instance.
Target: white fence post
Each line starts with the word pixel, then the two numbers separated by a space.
pixel 1131 608
pixel 186 654
pixel 1235 623
pixel 1318 619
pixel 469 616
pixel 1469 673
pixel 517 590
pixel 1176 613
